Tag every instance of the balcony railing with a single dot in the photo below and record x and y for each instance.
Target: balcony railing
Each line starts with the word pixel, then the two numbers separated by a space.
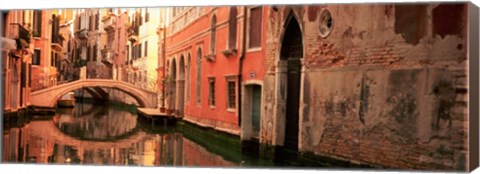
pixel 82 33
pixel 133 31
pixel 107 56
pixel 57 40
pixel 43 82
pixel 22 36
pixel 109 22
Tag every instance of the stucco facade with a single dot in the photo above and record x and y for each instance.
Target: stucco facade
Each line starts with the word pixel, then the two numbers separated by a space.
pixel 205 47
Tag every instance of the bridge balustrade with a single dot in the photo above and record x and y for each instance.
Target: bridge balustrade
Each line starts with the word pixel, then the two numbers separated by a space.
pixel 44 82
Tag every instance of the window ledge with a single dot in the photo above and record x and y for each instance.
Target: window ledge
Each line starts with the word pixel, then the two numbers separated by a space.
pixel 231 110
pixel 229 52
pixel 255 49
pixel 210 57
pixel 212 107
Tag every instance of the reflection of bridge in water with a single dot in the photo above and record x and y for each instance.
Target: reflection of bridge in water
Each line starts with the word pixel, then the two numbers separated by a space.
pixel 48 130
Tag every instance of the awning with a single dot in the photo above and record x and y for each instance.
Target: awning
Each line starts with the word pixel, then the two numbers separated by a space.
pixel 8 44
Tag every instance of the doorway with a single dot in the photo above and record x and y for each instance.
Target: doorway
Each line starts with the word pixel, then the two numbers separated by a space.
pixel 256 102
pixel 292 54
pixel 173 85
pixel 181 88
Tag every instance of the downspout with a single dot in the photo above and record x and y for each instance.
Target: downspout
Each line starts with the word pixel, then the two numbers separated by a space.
pixel 240 65
pixel 164 62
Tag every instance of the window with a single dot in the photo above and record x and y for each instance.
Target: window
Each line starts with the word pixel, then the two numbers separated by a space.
pixel 232 28
pixel 211 96
pixel 52 59
pixel 36 57
pixel 147 15
pixel 146 48
pixel 95 53
pixel 37 23
pixel 96 21
pixel 89 50
pixel 128 52
pixel 255 30
pixel 139 52
pixel 231 94
pixel 199 74
pixel 90 23
pixel 212 36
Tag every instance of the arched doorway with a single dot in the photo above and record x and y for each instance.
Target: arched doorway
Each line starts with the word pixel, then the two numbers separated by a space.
pixel 173 84
pixel 291 54
pixel 181 87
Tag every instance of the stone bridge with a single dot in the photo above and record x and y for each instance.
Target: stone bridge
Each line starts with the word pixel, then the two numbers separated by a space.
pixel 48 97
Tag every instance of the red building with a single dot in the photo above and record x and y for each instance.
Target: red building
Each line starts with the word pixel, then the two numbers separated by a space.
pixel 213 57
pixel 114 52
pixel 16 59
pixel 47 48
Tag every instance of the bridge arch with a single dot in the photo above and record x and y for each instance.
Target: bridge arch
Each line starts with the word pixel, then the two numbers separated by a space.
pixel 49 97
pixel 49 129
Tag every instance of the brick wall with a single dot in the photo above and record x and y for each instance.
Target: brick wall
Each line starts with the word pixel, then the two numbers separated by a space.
pixel 386 87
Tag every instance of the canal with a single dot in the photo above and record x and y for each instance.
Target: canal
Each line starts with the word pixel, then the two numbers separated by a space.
pixel 113 134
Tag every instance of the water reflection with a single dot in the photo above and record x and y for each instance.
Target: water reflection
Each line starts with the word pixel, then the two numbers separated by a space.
pixel 96 123
pixel 102 135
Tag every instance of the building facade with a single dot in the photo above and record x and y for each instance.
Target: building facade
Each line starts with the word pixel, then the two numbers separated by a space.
pixel 212 57
pixel 17 51
pixel 48 48
pixel 142 47
pixel 377 84
pixel 89 38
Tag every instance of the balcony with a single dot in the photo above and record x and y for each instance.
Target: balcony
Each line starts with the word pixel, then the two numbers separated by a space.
pixel 107 56
pixel 57 41
pixel 21 35
pixel 109 22
pixel 210 57
pixel 133 33
pixel 82 33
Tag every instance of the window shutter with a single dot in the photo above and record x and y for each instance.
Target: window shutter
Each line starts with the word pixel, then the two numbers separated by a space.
pixel 96 21
pixel 255 27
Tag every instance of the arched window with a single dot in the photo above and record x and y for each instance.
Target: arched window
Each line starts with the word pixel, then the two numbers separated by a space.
pixel 232 28
pixel 198 74
pixel 212 36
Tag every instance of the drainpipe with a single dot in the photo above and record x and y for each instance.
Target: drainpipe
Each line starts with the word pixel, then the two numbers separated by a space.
pixel 164 63
pixel 240 65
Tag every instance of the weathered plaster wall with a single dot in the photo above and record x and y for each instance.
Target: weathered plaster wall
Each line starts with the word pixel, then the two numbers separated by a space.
pixel 387 87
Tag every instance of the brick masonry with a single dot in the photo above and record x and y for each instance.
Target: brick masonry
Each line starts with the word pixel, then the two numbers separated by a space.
pixel 386 87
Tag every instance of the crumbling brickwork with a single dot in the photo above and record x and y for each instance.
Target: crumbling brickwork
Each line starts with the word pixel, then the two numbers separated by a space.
pixel 386 87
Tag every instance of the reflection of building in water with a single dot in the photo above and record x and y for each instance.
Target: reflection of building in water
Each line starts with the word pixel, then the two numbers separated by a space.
pixel 16 144
pixel 59 141
pixel 20 146
pixel 174 149
pixel 196 155
pixel 40 149
pixel 144 152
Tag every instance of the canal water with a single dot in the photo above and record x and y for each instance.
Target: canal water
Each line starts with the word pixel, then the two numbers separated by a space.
pixel 110 134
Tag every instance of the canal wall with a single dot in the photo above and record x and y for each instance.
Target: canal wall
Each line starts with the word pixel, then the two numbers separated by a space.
pixel 383 85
